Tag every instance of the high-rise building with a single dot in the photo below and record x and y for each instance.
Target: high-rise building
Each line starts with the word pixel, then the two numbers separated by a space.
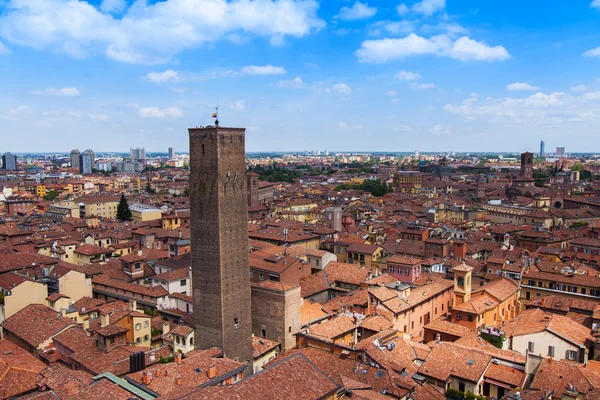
pixel 417 154
pixel 171 153
pixel 86 162
pixel 9 162
pixel 527 165
pixel 91 154
pixel 219 213
pixel 75 154
pixel 560 151
pixel 139 153
pixel 542 149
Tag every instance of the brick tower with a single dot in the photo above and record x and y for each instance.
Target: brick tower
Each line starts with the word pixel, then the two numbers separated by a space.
pixel 527 165
pixel 220 267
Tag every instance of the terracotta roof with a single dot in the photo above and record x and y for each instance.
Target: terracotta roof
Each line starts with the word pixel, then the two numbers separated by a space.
pixel 36 323
pixel 174 275
pixel 182 330
pixel 536 320
pixel 92 250
pixel 294 377
pixel 156 291
pixel 505 374
pixel 333 328
pixel 500 288
pixel 447 359
pixel 557 375
pixel 261 346
pixel 18 370
pixel 444 326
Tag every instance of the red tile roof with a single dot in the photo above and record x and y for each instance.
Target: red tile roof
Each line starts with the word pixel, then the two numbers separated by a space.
pixel 36 323
pixel 18 370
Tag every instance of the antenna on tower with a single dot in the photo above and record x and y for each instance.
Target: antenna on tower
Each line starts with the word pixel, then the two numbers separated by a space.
pixel 216 113
pixel 285 234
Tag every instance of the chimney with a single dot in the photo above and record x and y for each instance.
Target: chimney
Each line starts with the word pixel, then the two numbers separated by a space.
pixel 147 378
pixel 166 327
pixel 211 372
pixel 177 358
pixel 104 320
pixel 133 305
pixel 86 324
pixel 178 381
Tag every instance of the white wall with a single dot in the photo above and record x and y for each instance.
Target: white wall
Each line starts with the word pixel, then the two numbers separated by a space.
pixel 541 342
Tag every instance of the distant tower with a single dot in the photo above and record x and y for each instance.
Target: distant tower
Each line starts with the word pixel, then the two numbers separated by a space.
pixel 92 155
pixel 86 162
pixel 333 218
pixel 542 149
pixel 9 162
pixel 527 165
pixel 417 154
pixel 75 154
pixel 560 151
pixel 220 266
pixel 252 189
pixel 462 283
pixel 171 153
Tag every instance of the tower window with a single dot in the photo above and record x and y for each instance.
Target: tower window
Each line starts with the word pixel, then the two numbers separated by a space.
pixel 264 333
pixel 203 149
pixel 236 322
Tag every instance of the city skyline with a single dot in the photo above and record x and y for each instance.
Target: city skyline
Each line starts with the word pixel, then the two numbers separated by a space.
pixel 429 74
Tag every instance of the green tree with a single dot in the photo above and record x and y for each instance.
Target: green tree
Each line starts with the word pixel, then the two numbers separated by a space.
pixel 123 211
pixel 53 194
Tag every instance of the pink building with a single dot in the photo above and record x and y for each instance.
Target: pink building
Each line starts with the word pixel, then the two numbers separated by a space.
pixel 405 269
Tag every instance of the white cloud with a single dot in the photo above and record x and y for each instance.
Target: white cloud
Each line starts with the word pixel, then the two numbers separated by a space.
pixel 161 113
pixel 239 105
pixel 51 91
pixel 402 128
pixel 14 113
pixel 407 76
pixel 581 88
pixel 441 130
pixel 592 53
pixel 357 11
pixel 263 70
pixel 465 48
pixel 429 7
pixel 4 50
pixel 595 4
pixel 391 27
pixel 295 83
pixel 98 117
pixel 342 88
pixel 113 6
pixel 161 77
pixel 522 86
pixel 391 93
pixel 534 110
pixel 402 9
pixel 150 32
pixel 179 89
pixel 421 86
pixel 344 125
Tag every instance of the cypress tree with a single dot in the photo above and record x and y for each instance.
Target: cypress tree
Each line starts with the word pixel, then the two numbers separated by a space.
pixel 123 211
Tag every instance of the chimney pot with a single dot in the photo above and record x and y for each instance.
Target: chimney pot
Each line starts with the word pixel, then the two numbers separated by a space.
pixel 147 378
pixel 211 372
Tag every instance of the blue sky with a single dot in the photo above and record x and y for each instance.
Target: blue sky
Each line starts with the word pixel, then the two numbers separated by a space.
pixel 431 75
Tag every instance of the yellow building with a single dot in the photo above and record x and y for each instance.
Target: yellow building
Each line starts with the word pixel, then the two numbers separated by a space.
pixel 19 292
pixel 489 305
pixel 75 285
pixel 104 206
pixel 40 190
pixel 174 220
pixel 142 213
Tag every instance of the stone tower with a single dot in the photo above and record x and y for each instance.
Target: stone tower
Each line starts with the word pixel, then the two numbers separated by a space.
pixel 220 267
pixel 527 165
pixel 462 283
pixel 252 189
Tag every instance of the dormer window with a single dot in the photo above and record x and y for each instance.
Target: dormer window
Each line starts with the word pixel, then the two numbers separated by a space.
pixel 137 265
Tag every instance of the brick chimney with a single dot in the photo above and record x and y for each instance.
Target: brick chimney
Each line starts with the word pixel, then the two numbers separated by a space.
pixel 133 305
pixel 147 378
pixel 177 358
pixel 211 372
